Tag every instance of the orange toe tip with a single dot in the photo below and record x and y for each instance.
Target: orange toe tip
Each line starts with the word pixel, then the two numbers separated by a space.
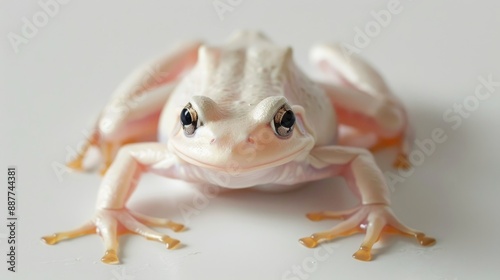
pixel 363 255
pixel 314 216
pixel 75 165
pixel 176 227
pixel 170 243
pixel 427 241
pixel 402 162
pixel 402 166
pixel 110 257
pixel 50 239
pixel 308 242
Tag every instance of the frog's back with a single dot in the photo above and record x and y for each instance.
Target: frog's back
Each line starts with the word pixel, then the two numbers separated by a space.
pixel 247 69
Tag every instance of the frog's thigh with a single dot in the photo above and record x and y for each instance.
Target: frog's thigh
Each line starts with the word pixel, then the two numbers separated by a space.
pixel 349 69
pixel 142 95
pixel 364 112
pixel 369 122
pixel 132 114
pixel 132 119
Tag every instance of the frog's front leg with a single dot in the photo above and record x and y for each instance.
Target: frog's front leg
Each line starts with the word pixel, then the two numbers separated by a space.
pixel 374 215
pixel 112 218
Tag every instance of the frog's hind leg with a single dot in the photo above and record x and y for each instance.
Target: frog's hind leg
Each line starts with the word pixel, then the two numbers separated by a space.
pixel 137 123
pixel 133 113
pixel 363 102
pixel 363 122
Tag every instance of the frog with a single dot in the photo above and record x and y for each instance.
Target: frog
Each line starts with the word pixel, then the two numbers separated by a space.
pixel 243 114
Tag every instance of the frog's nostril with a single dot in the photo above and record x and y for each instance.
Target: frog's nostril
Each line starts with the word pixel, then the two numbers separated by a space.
pixel 212 141
pixel 250 140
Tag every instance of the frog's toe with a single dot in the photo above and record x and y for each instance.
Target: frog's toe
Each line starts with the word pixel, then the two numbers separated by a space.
pixel 108 150
pixel 330 215
pixel 127 219
pixel 402 162
pixel 110 257
pixel 345 228
pixel 309 242
pixel 374 226
pixel 55 238
pixel 363 254
pixel 396 227
pixel 169 242
pixel 77 163
pixel 157 222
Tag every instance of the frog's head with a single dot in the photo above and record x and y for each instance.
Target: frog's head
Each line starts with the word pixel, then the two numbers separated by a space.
pixel 242 137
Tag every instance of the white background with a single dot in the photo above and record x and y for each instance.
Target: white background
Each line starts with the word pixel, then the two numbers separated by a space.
pixel 431 54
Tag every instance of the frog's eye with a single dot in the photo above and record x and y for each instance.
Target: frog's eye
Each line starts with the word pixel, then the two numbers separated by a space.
pixel 283 121
pixel 189 119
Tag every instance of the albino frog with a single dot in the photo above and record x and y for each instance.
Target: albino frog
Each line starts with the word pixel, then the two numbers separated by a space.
pixel 244 115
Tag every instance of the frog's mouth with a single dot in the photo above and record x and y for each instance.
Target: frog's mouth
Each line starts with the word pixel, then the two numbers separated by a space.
pixel 237 167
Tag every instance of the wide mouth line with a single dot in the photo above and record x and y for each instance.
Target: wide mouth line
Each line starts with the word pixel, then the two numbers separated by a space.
pixel 246 169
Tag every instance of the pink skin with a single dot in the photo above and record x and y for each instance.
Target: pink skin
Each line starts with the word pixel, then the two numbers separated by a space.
pixel 247 142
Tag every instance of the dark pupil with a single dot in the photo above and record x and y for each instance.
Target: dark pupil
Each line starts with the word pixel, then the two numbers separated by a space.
pixel 288 119
pixel 186 117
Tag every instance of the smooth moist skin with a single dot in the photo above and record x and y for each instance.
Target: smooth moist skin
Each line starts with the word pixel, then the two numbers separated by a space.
pixel 243 115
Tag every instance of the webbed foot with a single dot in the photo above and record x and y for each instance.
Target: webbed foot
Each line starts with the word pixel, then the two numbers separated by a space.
pixel 373 219
pixel 110 224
